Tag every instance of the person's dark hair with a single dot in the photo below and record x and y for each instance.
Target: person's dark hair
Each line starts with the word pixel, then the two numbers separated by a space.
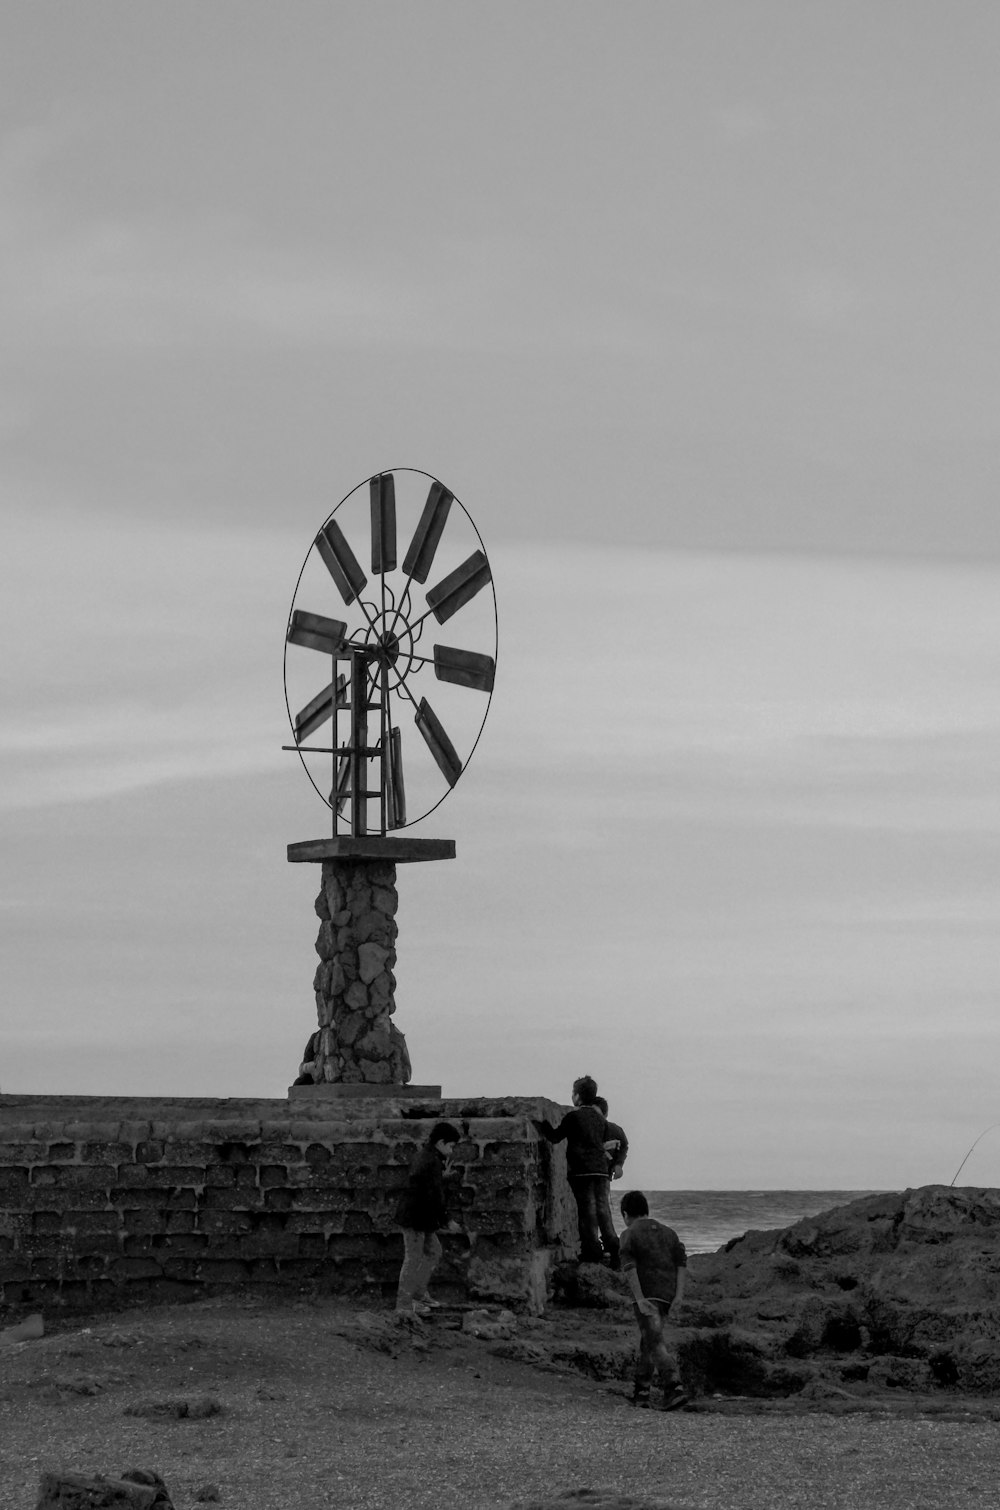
pixel 443 1132
pixel 601 1104
pixel 634 1203
pixel 586 1089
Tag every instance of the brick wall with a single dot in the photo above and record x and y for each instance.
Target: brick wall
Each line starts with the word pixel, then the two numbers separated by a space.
pixel 108 1201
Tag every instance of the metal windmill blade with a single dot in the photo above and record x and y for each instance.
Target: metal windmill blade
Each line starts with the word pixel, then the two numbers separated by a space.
pixel 377 661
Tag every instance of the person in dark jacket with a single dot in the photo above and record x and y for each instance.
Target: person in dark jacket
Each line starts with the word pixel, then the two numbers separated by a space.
pixel 585 1131
pixel 309 1071
pixel 616 1146
pixel 422 1209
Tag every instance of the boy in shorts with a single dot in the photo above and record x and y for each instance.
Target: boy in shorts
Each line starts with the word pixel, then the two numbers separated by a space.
pixel 654 1265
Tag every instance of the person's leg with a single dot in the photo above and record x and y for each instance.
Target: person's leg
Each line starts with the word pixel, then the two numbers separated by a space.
pixel 591 1251
pixel 605 1221
pixel 409 1274
pixel 663 1359
pixel 644 1364
pixel 429 1260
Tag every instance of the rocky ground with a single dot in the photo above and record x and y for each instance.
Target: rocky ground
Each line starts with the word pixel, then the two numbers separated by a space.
pixel 894 1292
pixel 847 1361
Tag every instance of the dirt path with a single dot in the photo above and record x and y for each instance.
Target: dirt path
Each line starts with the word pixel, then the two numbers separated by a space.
pixel 326 1405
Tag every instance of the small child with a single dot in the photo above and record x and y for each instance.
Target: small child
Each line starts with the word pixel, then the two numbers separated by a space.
pixel 616 1146
pixel 654 1264
pixel 421 1210
pixel 585 1130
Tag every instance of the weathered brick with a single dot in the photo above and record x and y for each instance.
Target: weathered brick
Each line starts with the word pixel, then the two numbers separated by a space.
pixel 266 1271
pixel 84 1223
pixel 312 1245
pixel 131 1176
pixel 69 1176
pixel 181 1196
pixel 318 1154
pixel 358 1221
pixel 221 1175
pixel 49 1266
pixel 275 1244
pixel 504 1153
pixel 231 1130
pixel 180 1174
pixel 181 1268
pixel 93 1242
pixel 142 1245
pixel 111 1152
pixel 183 1245
pixel 136 1268
pixel 60 1152
pixel 278 1199
pixel 220 1198
pixel 12 1179
pixel 237 1151
pixel 300 1271
pixel 273 1174
pixel 223 1221
pixel 194 1151
pixel 136 1197
pixel 145 1219
pixel 223 1271
pixel 73 1199
pixel 47 1221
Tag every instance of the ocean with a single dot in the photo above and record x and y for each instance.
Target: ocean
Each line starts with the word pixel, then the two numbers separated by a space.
pixel 706 1219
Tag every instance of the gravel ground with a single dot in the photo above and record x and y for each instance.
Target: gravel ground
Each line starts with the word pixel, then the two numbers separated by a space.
pixel 323 1405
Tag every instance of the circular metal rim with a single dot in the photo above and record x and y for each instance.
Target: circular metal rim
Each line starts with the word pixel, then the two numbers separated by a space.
pixel 419 472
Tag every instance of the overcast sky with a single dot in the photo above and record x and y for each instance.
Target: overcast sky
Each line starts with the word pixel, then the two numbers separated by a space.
pixel 694 308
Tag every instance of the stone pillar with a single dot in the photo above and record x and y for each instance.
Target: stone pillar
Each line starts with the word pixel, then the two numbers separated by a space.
pixel 354 983
pixel 357 1043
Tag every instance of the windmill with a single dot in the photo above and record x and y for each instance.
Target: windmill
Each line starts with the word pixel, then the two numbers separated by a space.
pixel 384 729
pixel 381 670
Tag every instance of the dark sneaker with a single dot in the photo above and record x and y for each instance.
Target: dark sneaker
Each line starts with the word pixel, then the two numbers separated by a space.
pixel 640 1398
pixel 676 1400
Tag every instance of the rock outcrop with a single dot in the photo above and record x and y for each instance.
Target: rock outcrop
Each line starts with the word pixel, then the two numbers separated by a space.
pixel 897 1290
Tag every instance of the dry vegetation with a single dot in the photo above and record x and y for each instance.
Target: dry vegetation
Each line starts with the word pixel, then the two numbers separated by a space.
pixel 322 1404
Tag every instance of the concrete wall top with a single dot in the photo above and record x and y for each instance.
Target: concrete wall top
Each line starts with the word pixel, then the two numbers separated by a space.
pixel 21 1109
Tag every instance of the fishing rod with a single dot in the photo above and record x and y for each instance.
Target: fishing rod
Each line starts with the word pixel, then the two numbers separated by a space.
pixel 961 1166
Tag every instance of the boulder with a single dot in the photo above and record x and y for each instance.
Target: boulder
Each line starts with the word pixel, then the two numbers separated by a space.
pixel 899 1290
pixel 492 1327
pixel 138 1489
pixel 29 1329
pixel 591 1499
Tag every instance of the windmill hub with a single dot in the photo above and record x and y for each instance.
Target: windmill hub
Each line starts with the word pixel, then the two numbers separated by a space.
pixel 388 645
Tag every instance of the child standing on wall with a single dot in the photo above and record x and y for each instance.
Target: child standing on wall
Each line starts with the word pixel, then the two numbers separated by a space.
pixel 422 1210
pixel 585 1130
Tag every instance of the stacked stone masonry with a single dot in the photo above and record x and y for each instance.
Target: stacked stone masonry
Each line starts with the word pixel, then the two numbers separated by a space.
pixel 354 983
pixel 105 1202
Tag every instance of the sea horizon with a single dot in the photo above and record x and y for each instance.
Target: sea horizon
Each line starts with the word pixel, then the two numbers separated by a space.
pixel 706 1218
